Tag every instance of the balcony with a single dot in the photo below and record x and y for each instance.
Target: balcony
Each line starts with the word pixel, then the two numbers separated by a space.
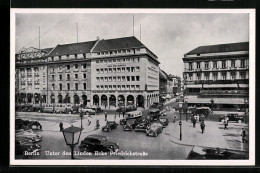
pixel 238 81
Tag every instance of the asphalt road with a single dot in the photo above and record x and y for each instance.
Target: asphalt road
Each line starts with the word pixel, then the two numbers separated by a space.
pixel 54 147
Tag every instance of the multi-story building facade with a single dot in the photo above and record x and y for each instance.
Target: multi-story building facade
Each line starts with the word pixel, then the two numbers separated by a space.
pixel 31 75
pixel 219 73
pixel 176 83
pixel 112 72
pixel 124 71
pixel 162 84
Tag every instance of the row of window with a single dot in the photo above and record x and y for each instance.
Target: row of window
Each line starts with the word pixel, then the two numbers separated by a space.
pixel 118 87
pixel 118 78
pixel 215 64
pixel 118 60
pixel 118 70
pixel 118 51
pixel 68 86
pixel 76 76
pixel 69 57
pixel 215 76
pixel 68 67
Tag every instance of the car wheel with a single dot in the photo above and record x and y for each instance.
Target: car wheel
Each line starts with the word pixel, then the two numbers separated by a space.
pixel 239 121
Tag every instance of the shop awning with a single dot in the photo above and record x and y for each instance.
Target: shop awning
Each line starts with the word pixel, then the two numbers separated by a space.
pixel 195 99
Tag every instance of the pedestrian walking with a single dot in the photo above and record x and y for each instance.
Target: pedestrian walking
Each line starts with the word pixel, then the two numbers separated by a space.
pixel 89 121
pixel 61 126
pixel 202 126
pixel 105 116
pixel 194 122
pixel 123 113
pixel 174 118
pixel 243 134
pixel 225 124
pixel 105 106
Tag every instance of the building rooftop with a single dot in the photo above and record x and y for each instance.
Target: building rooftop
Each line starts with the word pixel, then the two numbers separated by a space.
pixel 118 43
pixel 73 48
pixel 231 47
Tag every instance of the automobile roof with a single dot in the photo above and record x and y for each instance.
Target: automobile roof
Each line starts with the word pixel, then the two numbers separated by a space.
pixel 96 136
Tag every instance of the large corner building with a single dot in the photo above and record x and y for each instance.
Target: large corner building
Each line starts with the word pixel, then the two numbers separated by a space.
pixel 102 72
pixel 219 73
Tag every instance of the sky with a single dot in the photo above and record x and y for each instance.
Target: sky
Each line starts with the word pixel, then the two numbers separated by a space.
pixel 167 35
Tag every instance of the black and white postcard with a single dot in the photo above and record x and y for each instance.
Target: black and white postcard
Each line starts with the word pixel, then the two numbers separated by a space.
pixel 132 87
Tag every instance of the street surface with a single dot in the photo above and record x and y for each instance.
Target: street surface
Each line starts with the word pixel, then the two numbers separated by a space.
pixel 166 146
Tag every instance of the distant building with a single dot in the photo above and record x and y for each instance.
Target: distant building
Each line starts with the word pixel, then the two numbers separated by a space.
pixel 162 84
pixel 219 73
pixel 176 83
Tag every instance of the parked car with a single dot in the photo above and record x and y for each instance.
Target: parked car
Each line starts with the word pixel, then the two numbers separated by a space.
pixel 48 108
pixel 133 115
pixel 128 127
pixel 201 153
pixel 233 117
pixel 154 129
pixel 94 143
pixel 26 124
pixel 164 121
pixel 154 115
pixel 21 146
pixel 88 110
pixel 110 125
pixel 27 135
pixel 62 108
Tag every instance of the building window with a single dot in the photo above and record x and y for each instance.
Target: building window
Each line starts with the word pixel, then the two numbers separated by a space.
pixel 101 61
pixel 132 78
pixel 123 78
pixel 206 76
pixel 110 79
pixel 233 63
pixel 114 70
pixel 101 79
pixel 123 87
pixel 137 69
pixel 68 67
pixel 110 87
pixel 52 58
pixel 190 65
pixel 215 64
pixel 84 66
pixel 132 69
pixel 242 75
pixel 119 87
pixel 132 87
pixel 215 76
pixel 97 86
pixel 127 78
pixel 127 87
pixel 242 63
pixel 114 87
pixel 53 69
pixel 68 86
pixel 190 76
pixel 198 76
pixel 59 57
pixel 224 75
pixel 198 65
pixel 114 79
pixel 76 76
pixel 105 70
pixel 84 86
pixel 110 70
pixel 97 61
pixel 137 78
pixel 114 60
pixel 137 87
pixel 106 79
pixel 60 86
pixel 97 78
pixel 110 61
pixel 84 75
pixel 53 86
pixel 223 64
pixel 68 76
pixel 76 66
pixel 76 86
pixel 101 70
pixel 119 70
pixel 52 77
pixel 233 75
pixel 97 70
pixel 118 78
pixel 118 60
pixel 128 69
pixel 206 65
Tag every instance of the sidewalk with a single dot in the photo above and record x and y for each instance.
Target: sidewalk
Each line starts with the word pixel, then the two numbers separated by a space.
pixel 213 136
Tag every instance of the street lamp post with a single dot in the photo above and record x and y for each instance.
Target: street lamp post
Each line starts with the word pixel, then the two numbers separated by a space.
pixel 180 123
pixel 72 136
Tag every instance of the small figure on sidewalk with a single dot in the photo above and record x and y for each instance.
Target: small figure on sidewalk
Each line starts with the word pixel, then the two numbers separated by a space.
pixel 61 126
pixel 202 126
pixel 243 134
pixel 123 113
pixel 105 116
pixel 105 106
pixel 174 118
pixel 225 124
pixel 89 122
pixel 194 122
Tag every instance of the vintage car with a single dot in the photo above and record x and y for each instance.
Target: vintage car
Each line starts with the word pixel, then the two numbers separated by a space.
pixel 142 125
pixel 164 121
pixel 87 110
pixel 63 108
pixel 154 114
pixel 48 108
pixel 154 129
pixel 122 121
pixel 201 153
pixel 128 127
pixel 133 115
pixel 98 109
pixel 24 146
pixel 156 105
pixel 233 117
pixel 27 135
pixel 163 112
pixel 26 124
pixel 126 108
pixel 94 143
pixel 110 125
